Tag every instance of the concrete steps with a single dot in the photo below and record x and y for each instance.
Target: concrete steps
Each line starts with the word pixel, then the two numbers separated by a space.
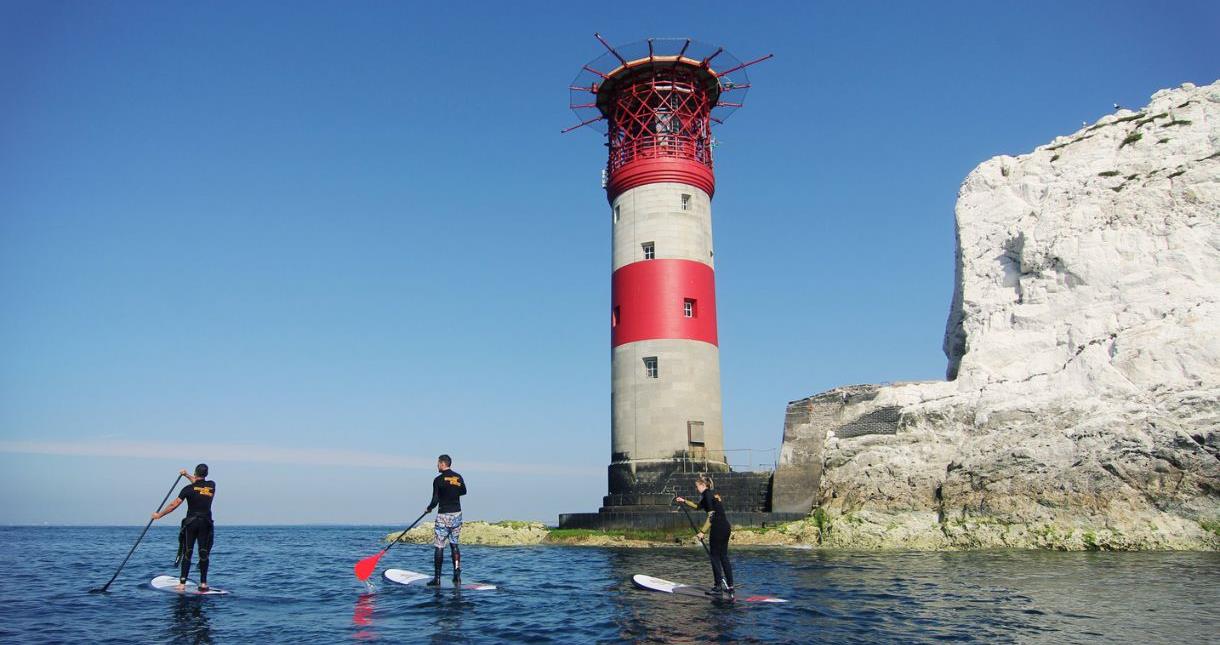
pixel 648 504
pixel 744 492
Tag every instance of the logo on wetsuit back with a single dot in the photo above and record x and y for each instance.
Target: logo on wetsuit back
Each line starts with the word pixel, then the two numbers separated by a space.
pixel 453 481
pixel 203 490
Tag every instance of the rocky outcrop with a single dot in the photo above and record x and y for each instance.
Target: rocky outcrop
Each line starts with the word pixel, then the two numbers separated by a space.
pixel 518 533
pixel 507 533
pixel 1083 406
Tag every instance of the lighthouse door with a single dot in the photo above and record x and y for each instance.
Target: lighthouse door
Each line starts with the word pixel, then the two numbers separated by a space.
pixel 694 437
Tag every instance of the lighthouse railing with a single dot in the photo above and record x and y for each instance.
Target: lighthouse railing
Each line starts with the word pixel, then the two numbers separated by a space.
pixel 749 459
pixel 657 146
pixel 737 459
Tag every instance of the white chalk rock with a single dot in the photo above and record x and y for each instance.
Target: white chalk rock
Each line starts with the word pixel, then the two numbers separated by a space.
pixel 1083 406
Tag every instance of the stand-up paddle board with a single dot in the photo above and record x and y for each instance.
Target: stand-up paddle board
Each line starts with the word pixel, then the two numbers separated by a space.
pixel 170 584
pixel 417 579
pixel 665 586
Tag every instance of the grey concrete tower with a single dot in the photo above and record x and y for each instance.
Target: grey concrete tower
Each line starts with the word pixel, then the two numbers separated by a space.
pixel 658 100
pixel 665 363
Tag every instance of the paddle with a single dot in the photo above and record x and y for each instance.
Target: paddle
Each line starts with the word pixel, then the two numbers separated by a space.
pixel 103 588
pixel 365 567
pixel 696 530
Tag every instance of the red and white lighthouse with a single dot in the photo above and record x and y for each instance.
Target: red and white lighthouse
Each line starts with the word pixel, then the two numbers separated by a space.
pixel 657 101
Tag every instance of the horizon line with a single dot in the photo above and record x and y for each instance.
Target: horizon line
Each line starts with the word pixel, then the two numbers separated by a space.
pixel 261 453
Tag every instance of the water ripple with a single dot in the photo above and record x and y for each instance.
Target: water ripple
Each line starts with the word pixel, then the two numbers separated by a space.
pixel 295 583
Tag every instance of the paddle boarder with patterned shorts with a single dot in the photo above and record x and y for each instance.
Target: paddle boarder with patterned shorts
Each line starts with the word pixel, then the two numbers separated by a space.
pixel 447 489
pixel 197 527
pixel 718 544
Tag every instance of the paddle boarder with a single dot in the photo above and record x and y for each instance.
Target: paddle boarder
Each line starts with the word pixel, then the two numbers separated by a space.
pixel 197 526
pixel 718 545
pixel 447 489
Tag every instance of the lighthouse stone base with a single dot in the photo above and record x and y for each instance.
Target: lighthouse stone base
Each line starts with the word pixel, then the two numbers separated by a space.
pixel 645 501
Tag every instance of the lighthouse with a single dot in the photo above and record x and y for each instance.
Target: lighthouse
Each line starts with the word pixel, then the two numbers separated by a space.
pixel 657 102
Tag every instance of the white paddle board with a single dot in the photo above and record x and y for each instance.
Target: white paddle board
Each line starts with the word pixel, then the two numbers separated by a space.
pixel 417 579
pixel 170 584
pixel 665 586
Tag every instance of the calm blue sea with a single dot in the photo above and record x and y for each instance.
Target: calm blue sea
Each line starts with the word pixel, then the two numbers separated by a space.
pixel 296 584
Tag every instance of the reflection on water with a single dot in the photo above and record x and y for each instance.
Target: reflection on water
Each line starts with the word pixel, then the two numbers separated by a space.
pixel 449 608
pixel 190 624
pixel 362 617
pixel 296 584
pixel 650 615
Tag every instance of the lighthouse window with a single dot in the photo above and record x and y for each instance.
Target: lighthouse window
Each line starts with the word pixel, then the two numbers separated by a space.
pixel 650 250
pixel 685 202
pixel 688 307
pixel 650 367
pixel 614 317
pixel 616 214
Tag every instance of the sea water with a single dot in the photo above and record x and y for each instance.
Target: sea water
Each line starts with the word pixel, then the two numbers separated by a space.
pixel 296 584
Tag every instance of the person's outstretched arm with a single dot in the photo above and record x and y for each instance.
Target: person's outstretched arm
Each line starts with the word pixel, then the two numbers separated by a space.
pixel 707 523
pixel 436 499
pixel 172 505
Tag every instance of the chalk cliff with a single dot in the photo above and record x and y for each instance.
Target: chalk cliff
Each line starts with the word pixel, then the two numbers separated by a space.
pixel 1082 408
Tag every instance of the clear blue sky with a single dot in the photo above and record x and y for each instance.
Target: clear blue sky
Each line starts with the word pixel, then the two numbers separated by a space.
pixel 316 244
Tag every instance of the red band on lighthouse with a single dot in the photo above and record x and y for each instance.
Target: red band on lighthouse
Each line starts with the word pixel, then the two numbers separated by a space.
pixel 640 172
pixel 656 299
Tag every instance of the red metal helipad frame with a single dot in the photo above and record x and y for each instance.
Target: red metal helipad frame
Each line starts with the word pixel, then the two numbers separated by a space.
pixel 657 101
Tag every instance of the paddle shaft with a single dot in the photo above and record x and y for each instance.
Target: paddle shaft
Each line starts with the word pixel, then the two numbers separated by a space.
pixel 365 567
pixel 696 530
pixel 404 533
pixel 133 547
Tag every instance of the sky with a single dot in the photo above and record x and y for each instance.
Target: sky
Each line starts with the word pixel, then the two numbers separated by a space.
pixel 316 244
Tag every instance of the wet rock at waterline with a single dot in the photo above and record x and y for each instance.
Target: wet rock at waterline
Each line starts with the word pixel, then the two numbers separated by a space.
pixel 1083 406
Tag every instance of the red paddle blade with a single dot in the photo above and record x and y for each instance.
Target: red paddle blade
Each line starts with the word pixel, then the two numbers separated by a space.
pixel 365 567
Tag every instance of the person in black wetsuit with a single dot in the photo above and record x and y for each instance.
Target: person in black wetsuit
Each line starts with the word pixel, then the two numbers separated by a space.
pixel 197 527
pixel 718 545
pixel 447 489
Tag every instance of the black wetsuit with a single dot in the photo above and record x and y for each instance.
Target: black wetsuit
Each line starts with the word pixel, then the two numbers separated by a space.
pixel 447 490
pixel 197 527
pixel 718 536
